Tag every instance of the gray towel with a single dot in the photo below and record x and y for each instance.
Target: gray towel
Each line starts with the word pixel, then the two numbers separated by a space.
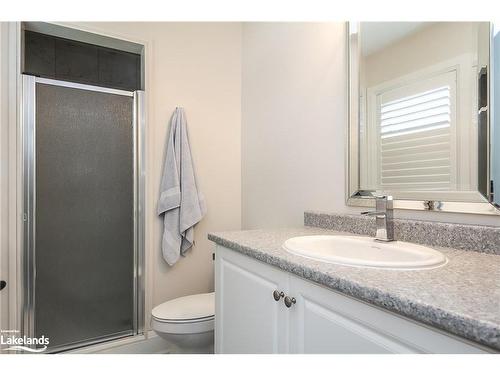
pixel 181 204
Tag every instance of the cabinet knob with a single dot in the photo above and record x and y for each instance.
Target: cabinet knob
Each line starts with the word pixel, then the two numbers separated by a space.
pixel 278 295
pixel 289 301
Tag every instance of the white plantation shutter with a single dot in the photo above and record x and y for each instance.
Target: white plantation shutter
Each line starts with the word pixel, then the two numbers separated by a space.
pixel 415 136
pixel 415 114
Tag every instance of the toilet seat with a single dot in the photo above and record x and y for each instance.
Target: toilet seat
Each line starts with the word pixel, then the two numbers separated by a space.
pixel 187 308
pixel 184 321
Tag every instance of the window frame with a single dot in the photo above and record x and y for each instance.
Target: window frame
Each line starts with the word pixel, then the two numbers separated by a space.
pixel 418 83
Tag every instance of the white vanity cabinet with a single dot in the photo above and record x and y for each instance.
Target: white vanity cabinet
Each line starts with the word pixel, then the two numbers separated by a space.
pixel 248 319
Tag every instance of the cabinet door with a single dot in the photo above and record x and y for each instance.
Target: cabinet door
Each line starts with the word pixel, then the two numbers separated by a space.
pixel 321 322
pixel 247 318
pixel 324 321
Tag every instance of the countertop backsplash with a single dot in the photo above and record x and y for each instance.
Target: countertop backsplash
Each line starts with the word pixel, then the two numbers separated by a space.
pixel 485 239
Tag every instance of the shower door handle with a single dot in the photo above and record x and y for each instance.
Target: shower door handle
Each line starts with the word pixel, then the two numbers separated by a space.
pixel 3 284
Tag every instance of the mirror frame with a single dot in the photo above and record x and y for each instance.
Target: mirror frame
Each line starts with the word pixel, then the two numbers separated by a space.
pixel 364 198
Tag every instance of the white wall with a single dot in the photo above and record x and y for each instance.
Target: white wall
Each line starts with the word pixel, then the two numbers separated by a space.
pixel 294 118
pixel 197 66
pixel 293 121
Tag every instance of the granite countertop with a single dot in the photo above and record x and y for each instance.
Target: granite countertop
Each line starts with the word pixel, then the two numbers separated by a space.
pixel 463 297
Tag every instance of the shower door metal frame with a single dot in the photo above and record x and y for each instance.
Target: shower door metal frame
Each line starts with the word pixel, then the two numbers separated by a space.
pixel 28 255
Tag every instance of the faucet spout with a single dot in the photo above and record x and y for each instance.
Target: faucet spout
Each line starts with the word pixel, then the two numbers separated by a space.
pixel 384 218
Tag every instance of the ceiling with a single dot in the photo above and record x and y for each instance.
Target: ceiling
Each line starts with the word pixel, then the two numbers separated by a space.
pixel 378 35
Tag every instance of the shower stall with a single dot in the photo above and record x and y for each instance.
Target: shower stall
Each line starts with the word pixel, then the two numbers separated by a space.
pixel 83 235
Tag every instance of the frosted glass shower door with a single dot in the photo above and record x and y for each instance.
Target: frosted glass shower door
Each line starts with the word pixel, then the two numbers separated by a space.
pixel 83 247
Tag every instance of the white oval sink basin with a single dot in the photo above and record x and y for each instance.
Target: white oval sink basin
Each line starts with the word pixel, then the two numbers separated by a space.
pixel 365 252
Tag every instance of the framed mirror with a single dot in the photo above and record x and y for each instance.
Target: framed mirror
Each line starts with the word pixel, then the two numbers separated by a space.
pixel 421 128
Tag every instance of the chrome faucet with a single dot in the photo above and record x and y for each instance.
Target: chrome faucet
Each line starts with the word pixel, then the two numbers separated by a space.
pixel 384 215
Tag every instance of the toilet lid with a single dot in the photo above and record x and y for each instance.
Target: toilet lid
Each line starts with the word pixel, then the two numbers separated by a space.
pixel 195 306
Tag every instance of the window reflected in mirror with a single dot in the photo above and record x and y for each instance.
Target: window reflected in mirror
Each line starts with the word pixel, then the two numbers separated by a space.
pixel 422 108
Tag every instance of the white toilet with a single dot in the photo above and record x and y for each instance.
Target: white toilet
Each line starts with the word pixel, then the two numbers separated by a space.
pixel 187 322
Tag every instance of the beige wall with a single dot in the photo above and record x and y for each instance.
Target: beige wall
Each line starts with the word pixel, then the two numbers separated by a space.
pixel 197 66
pixel 294 118
pixel 427 47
